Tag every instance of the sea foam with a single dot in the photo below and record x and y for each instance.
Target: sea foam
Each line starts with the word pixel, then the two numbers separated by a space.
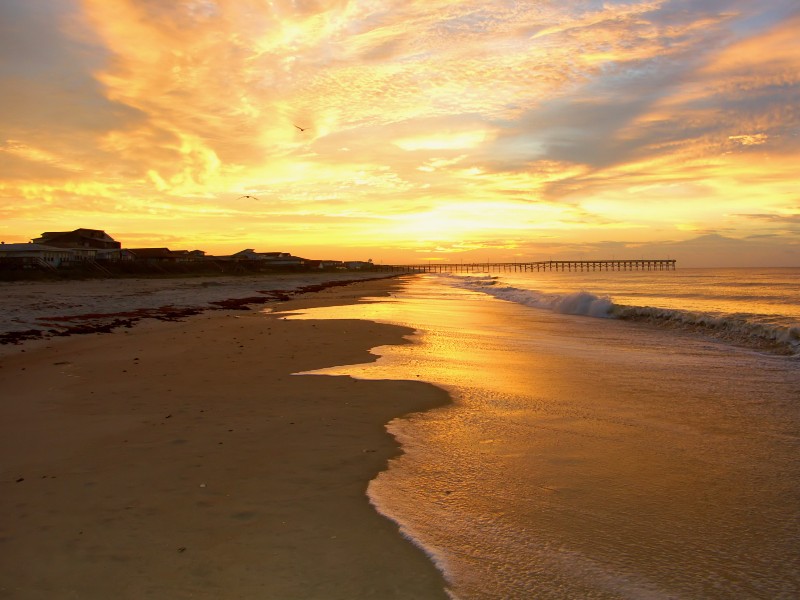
pixel 742 329
pixel 577 303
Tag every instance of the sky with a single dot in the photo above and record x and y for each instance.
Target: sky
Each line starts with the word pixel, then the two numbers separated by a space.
pixel 434 130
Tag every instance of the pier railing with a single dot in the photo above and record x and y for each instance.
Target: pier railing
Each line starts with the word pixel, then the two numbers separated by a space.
pixel 657 264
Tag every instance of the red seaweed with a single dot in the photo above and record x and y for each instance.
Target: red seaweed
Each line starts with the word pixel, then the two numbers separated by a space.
pixel 107 322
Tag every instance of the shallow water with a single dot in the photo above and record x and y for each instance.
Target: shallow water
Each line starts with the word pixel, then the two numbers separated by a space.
pixel 589 458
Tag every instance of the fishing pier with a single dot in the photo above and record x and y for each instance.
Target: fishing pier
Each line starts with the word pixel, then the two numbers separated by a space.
pixel 545 265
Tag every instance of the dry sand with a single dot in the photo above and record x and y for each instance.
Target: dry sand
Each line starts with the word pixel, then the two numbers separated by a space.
pixel 184 460
pixel 50 307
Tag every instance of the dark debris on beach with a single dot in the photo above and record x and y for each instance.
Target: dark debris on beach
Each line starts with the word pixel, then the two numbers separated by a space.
pixel 107 322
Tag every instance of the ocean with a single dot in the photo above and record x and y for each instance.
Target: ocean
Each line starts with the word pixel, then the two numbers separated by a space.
pixel 612 434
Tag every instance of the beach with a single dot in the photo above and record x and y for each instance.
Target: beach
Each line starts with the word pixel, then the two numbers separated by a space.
pixel 490 436
pixel 183 459
pixel 32 310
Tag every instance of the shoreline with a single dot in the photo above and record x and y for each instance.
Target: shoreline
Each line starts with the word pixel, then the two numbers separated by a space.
pixel 184 459
pixel 569 463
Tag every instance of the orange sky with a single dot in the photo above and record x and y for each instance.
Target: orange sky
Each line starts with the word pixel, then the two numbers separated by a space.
pixel 436 130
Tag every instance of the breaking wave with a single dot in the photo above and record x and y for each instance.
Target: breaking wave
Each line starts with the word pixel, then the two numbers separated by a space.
pixel 749 330
pixel 578 303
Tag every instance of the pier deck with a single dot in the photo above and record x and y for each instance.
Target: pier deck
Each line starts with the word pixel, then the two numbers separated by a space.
pixel 657 264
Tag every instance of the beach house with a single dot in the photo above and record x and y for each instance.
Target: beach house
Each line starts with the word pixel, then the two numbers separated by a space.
pixel 33 256
pixel 78 238
pixel 273 259
pixel 154 255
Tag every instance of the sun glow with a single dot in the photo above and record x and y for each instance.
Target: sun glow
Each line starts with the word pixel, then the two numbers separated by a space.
pixel 456 127
pixel 451 222
pixel 454 141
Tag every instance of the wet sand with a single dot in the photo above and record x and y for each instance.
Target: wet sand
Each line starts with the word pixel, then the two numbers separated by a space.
pixel 184 460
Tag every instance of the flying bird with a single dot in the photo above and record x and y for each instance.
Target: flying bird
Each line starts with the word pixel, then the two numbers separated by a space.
pixel 253 197
pixel 301 128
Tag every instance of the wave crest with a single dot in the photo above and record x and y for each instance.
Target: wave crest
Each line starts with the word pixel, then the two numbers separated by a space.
pixel 578 303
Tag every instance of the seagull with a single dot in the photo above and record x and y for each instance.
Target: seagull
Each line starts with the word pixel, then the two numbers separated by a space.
pixel 253 197
pixel 301 128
